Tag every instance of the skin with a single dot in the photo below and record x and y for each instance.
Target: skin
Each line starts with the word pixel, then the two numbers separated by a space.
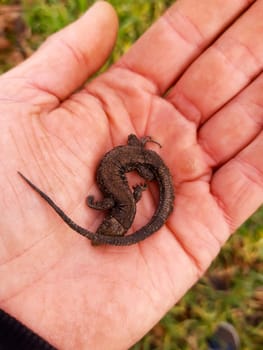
pixel 76 296
pixel 118 200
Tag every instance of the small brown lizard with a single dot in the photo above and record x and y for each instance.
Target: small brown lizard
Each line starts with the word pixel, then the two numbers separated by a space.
pixel 118 198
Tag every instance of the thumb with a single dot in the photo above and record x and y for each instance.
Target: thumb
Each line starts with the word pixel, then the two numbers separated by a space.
pixel 67 58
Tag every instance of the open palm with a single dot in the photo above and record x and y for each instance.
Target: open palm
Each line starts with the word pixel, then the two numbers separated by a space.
pixel 209 125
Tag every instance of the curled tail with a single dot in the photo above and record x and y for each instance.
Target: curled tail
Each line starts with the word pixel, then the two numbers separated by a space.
pixel 155 223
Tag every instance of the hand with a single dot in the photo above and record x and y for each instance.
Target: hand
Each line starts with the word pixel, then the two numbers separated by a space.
pixel 209 124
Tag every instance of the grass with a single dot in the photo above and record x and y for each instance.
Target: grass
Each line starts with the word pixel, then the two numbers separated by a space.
pixel 232 289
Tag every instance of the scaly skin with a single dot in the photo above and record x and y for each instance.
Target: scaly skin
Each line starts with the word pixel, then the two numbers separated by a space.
pixel 114 185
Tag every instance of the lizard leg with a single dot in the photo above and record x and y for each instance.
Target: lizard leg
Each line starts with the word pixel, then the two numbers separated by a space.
pixel 104 204
pixel 146 139
pixel 137 191
pixel 145 172
pixel 134 141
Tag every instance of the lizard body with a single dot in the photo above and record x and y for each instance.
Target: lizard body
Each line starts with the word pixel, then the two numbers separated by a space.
pixel 118 198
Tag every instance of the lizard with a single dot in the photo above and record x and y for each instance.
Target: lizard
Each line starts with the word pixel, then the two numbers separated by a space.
pixel 118 198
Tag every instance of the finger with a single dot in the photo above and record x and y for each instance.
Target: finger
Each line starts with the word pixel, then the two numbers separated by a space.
pixel 223 70
pixel 178 37
pixel 238 185
pixel 69 57
pixel 234 126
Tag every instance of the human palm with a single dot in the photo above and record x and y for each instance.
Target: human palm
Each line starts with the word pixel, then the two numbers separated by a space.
pixel 209 125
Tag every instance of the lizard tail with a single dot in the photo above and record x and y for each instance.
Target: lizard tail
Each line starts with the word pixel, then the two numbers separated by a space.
pixel 64 217
pixel 97 239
